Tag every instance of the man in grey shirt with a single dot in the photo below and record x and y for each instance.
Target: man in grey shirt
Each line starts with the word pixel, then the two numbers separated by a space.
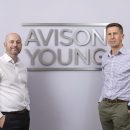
pixel 114 103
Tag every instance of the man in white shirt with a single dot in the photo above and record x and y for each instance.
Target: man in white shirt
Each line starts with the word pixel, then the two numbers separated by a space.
pixel 14 97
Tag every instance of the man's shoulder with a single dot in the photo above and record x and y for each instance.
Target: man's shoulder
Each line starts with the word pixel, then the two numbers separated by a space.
pixel 128 51
pixel 1 58
pixel 105 55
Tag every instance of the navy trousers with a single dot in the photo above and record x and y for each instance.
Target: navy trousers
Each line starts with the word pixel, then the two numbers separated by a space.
pixel 16 120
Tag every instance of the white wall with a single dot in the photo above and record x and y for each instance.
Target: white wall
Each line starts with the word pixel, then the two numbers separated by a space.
pixel 63 100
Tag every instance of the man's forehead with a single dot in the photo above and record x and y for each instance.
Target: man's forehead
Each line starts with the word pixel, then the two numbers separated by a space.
pixel 13 37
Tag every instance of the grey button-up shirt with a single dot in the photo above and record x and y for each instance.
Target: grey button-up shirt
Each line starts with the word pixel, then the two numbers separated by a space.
pixel 116 69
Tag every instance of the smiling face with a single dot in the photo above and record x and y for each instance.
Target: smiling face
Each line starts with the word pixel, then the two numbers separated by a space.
pixel 114 37
pixel 13 44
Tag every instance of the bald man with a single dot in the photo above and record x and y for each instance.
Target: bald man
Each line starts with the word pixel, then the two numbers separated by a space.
pixel 14 97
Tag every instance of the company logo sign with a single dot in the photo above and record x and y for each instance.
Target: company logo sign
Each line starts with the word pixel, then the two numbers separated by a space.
pixel 64 46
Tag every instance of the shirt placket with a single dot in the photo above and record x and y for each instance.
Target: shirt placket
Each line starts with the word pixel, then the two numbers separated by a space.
pixel 112 72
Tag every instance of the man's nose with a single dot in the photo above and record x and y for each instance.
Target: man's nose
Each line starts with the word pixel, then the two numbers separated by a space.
pixel 112 35
pixel 15 44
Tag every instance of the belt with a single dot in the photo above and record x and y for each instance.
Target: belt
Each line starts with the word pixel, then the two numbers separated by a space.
pixel 113 101
pixel 16 112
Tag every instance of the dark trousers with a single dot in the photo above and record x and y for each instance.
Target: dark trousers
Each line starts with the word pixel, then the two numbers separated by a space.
pixel 16 120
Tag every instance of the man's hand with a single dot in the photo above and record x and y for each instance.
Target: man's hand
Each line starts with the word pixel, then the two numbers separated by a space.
pixel 129 111
pixel 2 121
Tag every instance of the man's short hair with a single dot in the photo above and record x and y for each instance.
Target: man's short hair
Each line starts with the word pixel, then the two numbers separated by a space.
pixel 115 25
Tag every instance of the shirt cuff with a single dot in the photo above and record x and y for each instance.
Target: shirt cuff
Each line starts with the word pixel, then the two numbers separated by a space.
pixel 128 105
pixel 1 114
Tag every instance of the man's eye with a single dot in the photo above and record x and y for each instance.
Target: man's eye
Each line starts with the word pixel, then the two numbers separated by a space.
pixel 18 42
pixel 11 41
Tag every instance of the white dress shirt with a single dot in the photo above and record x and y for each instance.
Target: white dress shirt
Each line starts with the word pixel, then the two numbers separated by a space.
pixel 14 94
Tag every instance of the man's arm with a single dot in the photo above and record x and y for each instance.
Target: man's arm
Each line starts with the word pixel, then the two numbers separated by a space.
pixel 2 117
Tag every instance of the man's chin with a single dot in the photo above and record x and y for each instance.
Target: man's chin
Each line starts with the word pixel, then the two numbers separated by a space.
pixel 113 45
pixel 15 53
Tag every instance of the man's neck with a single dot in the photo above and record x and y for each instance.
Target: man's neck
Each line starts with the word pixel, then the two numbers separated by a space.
pixel 115 50
pixel 14 57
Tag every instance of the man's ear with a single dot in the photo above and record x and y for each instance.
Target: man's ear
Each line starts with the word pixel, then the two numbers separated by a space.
pixel 4 44
pixel 123 35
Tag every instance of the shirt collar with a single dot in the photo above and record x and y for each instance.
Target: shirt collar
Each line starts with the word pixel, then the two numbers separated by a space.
pixel 121 51
pixel 8 58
